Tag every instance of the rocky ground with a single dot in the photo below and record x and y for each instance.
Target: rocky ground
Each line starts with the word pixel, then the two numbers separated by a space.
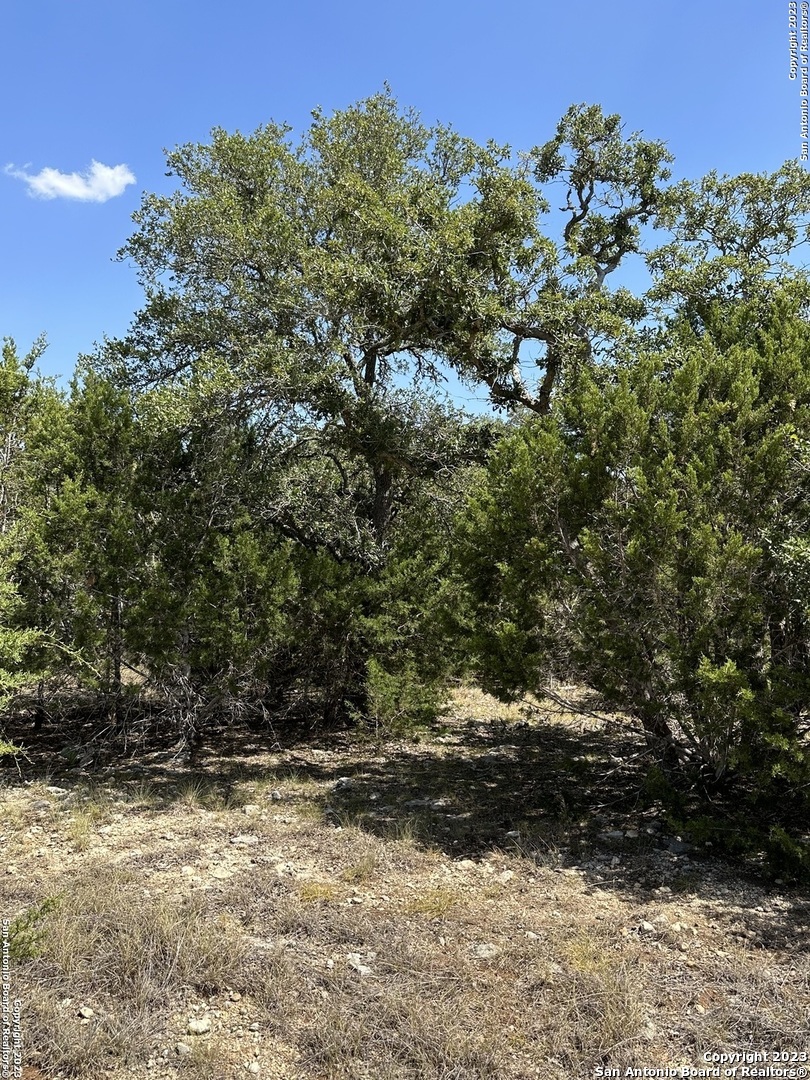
pixel 497 898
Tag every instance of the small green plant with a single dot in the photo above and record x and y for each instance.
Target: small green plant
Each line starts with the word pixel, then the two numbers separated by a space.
pixel 26 932
pixel 400 701
pixel 8 749
pixel 788 857
pixel 362 870
pixel 198 792
pixel 658 788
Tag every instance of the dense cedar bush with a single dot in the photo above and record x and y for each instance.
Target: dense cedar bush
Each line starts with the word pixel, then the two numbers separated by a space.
pixel 649 538
pixel 140 567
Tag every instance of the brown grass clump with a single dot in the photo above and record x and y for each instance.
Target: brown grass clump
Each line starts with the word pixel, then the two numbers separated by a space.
pixel 104 945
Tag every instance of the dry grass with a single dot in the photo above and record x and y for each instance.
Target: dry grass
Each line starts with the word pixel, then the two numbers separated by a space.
pixel 470 907
pixel 106 944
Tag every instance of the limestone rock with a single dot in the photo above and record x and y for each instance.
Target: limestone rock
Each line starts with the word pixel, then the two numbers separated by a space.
pixel 485 951
pixel 356 962
pixel 199 1027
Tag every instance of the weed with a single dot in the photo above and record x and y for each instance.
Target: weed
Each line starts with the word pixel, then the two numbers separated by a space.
pixel 105 932
pixel 79 830
pixel 362 870
pixel 67 1047
pixel 413 830
pixel 599 1009
pixel 199 793
pixel 309 810
pixel 26 932
pixel 92 809
pixel 537 849
pixel 588 956
pixel 146 795
pixel 14 816
pixel 435 903
pixel 685 883
pixel 208 1060
pixel 314 891
pixel 567 992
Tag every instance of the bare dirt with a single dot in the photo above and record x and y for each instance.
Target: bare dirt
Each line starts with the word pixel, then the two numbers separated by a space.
pixel 497 897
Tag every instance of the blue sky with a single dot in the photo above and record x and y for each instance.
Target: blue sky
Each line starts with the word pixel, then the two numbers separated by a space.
pixel 87 81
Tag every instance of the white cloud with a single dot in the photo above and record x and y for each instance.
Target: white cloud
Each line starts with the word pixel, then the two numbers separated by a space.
pixel 98 184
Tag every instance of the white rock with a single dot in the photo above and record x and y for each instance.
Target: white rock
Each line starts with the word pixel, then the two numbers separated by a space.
pixel 86 1012
pixel 221 872
pixel 356 962
pixel 485 951
pixel 182 1049
pixel 199 1027
pixel 253 1067
pixel 245 839
pixel 647 928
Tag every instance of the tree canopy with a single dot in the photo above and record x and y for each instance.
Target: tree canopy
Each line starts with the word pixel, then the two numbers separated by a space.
pixel 263 501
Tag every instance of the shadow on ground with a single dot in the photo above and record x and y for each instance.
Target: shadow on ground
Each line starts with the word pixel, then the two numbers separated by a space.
pixel 575 799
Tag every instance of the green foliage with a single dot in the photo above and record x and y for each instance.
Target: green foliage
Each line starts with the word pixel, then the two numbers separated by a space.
pixel 648 538
pixel 288 354
pixel 401 700
pixel 8 749
pixel 26 933
pixel 244 507
pixel 660 788
pixel 788 857
pixel 19 399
